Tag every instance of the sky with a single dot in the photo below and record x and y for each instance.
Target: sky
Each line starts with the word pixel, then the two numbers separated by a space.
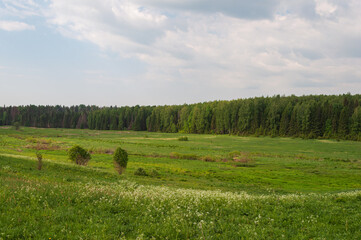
pixel 162 52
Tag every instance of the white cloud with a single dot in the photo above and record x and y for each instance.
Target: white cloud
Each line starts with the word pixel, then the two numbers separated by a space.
pixel 324 8
pixel 243 9
pixel 119 26
pixel 183 44
pixel 21 8
pixel 214 47
pixel 15 26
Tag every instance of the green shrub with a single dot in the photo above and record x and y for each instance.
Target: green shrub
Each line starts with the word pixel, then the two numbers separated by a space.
pixel 140 172
pixel 40 160
pixel 183 138
pixel 154 173
pixel 120 158
pixel 79 155
pixel 233 154
pixel 209 158
pixel 17 125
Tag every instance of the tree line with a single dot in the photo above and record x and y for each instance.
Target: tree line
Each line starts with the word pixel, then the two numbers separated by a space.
pixel 314 116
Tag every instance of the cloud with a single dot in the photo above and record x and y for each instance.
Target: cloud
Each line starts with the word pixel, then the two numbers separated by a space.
pixel 21 8
pixel 15 26
pixel 116 25
pixel 214 47
pixel 260 9
pixel 275 45
pixel 325 8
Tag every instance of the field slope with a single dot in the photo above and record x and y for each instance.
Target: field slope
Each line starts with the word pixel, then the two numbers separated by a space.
pixel 210 187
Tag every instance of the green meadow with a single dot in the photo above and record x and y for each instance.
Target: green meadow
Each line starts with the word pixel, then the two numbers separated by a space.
pixel 209 187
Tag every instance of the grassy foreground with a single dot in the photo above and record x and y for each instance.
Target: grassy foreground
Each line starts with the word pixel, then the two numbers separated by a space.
pixel 210 187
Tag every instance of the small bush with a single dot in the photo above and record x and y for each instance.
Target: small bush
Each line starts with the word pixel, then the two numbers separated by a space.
pixel 79 155
pixel 233 154
pixel 17 125
pixel 140 172
pixel 244 165
pixel 120 158
pixel 209 158
pixel 154 173
pixel 312 135
pixel 183 138
pixel 40 160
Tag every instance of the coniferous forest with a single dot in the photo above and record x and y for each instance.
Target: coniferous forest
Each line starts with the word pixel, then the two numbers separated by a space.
pixel 314 116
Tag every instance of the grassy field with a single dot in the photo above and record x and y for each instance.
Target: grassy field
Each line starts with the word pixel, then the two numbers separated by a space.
pixel 210 187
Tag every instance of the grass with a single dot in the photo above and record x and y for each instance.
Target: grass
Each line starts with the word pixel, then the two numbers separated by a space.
pixel 209 187
pixel 228 163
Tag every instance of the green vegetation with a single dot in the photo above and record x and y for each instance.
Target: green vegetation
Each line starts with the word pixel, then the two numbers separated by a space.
pixel 17 125
pixel 183 138
pixel 229 163
pixel 311 117
pixel 39 156
pixel 140 172
pixel 120 158
pixel 79 155
pixel 213 187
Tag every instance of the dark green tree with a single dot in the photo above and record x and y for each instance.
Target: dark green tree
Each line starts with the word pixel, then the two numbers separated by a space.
pixel 79 155
pixel 120 159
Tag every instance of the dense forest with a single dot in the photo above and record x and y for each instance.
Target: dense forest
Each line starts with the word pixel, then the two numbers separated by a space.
pixel 306 116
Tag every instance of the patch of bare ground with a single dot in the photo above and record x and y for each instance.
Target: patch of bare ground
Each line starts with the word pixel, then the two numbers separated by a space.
pixel 101 151
pixel 242 159
pixel 148 138
pixel 327 141
pixel 152 155
pixel 42 146
pixel 94 134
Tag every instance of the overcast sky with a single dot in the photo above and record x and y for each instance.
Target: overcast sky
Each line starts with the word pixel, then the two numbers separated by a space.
pixel 156 52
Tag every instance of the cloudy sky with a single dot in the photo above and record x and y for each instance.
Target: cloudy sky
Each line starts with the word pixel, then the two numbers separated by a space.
pixel 156 52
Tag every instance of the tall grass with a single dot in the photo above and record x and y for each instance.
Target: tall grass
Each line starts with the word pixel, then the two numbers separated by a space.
pixel 51 206
pixel 213 187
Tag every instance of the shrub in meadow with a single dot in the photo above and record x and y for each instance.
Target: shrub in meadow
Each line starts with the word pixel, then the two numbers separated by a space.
pixel 17 125
pixel 40 160
pixel 154 173
pixel 120 158
pixel 79 155
pixel 140 172
pixel 208 158
pixel 183 138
